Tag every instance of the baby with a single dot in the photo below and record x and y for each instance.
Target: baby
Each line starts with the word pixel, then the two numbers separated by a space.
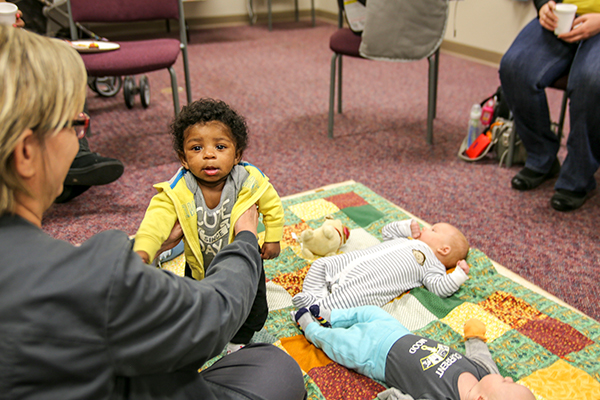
pixel 208 194
pixel 378 274
pixel 372 342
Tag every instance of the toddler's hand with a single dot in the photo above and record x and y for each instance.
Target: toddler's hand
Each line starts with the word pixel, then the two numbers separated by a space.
pixel 462 264
pixel 270 250
pixel 415 229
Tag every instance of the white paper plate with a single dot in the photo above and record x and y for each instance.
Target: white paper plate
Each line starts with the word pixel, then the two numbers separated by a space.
pixel 89 46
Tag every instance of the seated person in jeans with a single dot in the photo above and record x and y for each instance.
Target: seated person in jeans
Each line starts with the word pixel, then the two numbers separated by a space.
pixel 535 60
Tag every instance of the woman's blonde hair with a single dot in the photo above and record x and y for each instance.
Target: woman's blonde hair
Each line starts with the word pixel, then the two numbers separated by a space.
pixel 43 87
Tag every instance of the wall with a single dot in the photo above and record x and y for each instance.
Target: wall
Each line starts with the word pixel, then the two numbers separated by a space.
pixel 485 29
pixel 481 29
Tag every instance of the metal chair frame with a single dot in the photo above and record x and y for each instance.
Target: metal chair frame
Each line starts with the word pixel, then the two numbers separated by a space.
pixel 183 46
pixel 434 65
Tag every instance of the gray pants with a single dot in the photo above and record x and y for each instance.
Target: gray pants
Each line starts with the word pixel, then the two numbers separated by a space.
pixel 258 371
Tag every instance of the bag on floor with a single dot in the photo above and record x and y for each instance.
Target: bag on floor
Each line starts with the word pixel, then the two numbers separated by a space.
pixel 495 135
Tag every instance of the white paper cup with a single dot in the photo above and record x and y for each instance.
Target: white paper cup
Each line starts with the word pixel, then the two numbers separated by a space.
pixel 8 13
pixel 566 15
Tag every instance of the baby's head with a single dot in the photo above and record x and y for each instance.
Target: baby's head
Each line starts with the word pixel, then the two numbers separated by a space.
pixel 447 242
pixel 496 387
pixel 209 111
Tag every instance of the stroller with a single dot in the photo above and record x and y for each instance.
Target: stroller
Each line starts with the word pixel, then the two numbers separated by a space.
pixel 57 24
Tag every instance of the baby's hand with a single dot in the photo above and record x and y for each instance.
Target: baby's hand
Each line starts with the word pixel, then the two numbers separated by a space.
pixel 415 229
pixel 270 250
pixel 462 264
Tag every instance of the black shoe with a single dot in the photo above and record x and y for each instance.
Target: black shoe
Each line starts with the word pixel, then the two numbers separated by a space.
pixel 70 192
pixel 567 200
pixel 527 179
pixel 92 169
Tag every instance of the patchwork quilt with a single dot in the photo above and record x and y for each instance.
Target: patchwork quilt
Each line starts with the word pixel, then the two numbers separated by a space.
pixel 549 348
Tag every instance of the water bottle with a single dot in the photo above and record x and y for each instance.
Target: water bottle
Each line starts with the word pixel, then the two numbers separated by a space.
pixel 474 124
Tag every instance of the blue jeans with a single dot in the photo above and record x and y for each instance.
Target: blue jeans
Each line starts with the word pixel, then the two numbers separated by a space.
pixel 534 61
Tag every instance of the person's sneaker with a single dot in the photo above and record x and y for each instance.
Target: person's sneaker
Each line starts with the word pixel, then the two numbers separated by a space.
pixel 92 169
pixel 233 347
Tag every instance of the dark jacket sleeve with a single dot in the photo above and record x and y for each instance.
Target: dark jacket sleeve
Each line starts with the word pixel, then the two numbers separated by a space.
pixel 158 322
pixel 539 3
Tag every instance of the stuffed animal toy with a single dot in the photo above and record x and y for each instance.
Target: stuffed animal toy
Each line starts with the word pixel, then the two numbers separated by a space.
pixel 325 240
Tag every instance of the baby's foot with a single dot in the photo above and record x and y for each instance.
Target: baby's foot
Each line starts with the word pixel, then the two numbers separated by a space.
pixel 302 318
pixel 321 315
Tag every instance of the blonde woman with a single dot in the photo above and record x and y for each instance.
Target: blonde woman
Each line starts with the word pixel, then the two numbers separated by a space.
pixel 92 321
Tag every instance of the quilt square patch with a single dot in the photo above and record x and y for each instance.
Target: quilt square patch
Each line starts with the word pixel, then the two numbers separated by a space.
pixel 314 209
pixel 519 355
pixel 456 320
pixel 306 355
pixel 349 199
pixel 509 309
pixel 559 338
pixel 339 383
pixel 363 215
pixel 292 281
pixel 562 381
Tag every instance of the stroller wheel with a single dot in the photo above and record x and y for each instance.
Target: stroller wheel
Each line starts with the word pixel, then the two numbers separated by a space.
pixel 106 86
pixel 145 91
pixel 129 91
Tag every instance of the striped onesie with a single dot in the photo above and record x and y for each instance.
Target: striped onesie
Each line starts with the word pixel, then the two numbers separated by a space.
pixel 378 274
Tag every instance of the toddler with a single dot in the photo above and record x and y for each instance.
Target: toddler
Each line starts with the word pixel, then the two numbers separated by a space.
pixel 207 195
pixel 380 273
pixel 372 342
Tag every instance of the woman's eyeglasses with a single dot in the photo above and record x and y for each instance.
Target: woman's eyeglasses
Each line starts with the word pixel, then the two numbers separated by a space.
pixel 81 125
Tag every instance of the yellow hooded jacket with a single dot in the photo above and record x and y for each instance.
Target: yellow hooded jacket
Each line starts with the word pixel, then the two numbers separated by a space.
pixel 174 201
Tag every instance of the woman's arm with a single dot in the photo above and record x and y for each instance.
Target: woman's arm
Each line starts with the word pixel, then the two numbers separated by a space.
pixel 157 322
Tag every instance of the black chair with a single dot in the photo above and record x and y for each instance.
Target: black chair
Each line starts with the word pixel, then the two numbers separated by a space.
pixel 344 42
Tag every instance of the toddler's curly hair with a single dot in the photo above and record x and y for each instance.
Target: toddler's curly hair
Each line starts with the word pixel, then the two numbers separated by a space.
pixel 208 110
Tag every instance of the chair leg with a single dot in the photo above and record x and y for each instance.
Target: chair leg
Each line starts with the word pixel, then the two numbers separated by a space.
pixel 332 95
pixel 270 16
pixel 432 94
pixel 186 70
pixel 175 90
pixel 251 13
pixel 339 84
pixel 296 14
pixel 312 7
pixel 437 74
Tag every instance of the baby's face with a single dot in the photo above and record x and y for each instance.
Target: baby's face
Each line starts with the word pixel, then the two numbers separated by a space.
pixel 209 152
pixel 438 235
pixel 495 386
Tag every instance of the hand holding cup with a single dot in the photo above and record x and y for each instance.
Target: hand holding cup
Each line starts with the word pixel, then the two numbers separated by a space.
pixel 8 13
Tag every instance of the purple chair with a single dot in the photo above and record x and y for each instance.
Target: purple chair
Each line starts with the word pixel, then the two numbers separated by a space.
pixel 139 56
pixel 344 42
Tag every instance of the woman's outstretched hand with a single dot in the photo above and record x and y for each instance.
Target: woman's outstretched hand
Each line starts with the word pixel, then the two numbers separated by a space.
pixel 248 221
